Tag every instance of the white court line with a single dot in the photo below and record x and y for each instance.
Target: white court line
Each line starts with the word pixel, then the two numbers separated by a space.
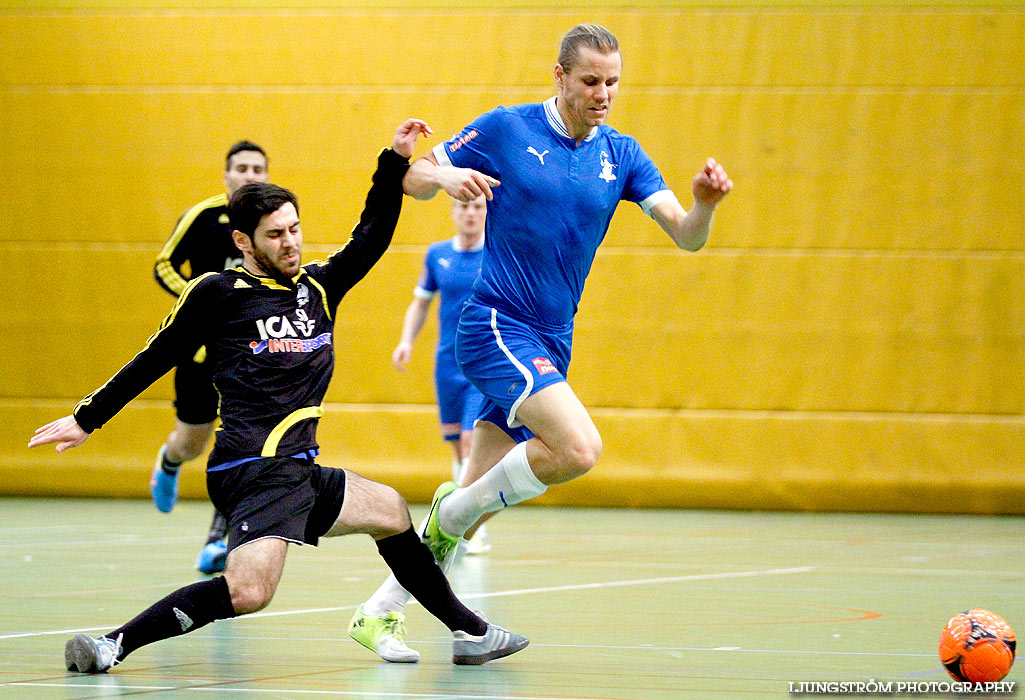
pixel 574 587
pixel 496 594
pixel 293 691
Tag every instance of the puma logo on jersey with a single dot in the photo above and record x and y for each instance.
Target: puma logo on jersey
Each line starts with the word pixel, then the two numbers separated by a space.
pixel 444 263
pixel 540 156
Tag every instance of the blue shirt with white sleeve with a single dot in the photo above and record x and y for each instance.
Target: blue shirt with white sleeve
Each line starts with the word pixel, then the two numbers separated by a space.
pixel 554 205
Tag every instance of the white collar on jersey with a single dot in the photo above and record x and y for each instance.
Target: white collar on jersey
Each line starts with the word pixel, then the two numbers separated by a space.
pixel 458 247
pixel 555 119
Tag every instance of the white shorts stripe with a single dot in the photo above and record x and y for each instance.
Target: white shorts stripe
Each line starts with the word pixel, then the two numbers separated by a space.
pixel 511 418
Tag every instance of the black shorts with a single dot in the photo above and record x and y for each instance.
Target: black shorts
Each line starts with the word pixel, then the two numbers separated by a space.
pixel 196 400
pixel 291 499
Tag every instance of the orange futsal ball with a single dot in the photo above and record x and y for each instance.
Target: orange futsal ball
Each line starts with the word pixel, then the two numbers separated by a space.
pixel 977 646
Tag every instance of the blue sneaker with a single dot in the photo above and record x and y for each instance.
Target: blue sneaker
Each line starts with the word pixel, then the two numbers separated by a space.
pixel 212 558
pixel 163 487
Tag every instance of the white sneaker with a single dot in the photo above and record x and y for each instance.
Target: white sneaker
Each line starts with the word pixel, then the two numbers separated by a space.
pixel 87 655
pixel 384 635
pixel 480 543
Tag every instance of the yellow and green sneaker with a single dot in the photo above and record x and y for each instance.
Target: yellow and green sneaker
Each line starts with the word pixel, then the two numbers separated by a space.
pixel 437 540
pixel 385 636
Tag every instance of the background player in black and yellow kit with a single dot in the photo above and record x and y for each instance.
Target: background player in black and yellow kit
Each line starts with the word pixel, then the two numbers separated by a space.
pixel 268 327
pixel 201 242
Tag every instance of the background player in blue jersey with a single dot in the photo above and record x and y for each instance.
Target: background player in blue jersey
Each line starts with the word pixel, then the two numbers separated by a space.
pixel 554 174
pixel 201 242
pixel 450 269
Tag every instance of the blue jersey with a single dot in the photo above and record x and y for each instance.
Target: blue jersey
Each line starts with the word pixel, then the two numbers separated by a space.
pixel 450 269
pixel 553 207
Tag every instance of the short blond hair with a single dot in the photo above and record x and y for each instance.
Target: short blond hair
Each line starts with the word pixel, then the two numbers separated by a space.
pixel 591 36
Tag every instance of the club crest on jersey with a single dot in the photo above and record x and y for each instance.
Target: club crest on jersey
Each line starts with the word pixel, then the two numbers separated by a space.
pixel 606 168
pixel 302 294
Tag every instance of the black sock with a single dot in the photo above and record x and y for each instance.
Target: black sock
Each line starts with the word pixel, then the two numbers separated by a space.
pixel 170 468
pixel 185 610
pixel 416 571
pixel 218 528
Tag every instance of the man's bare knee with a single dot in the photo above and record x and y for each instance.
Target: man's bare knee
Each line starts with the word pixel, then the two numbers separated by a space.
pixel 249 596
pixel 393 516
pixel 579 456
pixel 371 508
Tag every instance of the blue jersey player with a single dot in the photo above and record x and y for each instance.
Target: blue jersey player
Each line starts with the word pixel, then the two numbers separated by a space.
pixel 450 268
pixel 553 174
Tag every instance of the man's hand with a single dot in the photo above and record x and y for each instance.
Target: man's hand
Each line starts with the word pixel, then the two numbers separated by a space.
pixel 711 184
pixel 406 135
pixel 465 184
pixel 401 354
pixel 64 431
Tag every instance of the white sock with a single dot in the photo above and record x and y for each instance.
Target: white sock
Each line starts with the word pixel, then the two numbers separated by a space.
pixel 392 596
pixel 509 482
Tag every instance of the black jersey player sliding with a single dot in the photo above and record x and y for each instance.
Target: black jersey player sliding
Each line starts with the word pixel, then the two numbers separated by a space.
pixel 268 330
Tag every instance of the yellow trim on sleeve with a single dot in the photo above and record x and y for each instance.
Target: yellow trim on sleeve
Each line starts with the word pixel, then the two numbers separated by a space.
pixel 167 272
pixel 168 320
pixel 270 447
pixel 323 295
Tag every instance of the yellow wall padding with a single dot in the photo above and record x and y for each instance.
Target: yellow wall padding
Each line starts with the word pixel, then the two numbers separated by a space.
pixel 851 338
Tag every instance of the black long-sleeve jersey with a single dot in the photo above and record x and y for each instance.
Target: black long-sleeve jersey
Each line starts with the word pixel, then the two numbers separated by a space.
pixel 270 345
pixel 201 238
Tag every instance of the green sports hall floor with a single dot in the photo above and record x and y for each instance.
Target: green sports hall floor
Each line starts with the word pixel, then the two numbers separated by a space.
pixel 618 604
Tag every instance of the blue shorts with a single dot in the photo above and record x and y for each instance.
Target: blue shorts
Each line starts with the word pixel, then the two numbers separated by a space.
pixel 458 400
pixel 508 360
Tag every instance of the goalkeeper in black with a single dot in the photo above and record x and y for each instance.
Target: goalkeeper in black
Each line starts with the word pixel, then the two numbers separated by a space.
pixel 268 330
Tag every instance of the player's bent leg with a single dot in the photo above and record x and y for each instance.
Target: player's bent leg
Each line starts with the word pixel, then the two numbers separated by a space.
pixel 187 609
pixel 568 444
pixel 253 571
pixel 370 508
pixel 377 510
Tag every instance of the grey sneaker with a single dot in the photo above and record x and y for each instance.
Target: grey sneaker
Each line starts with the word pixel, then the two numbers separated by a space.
pixel 87 655
pixel 468 650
